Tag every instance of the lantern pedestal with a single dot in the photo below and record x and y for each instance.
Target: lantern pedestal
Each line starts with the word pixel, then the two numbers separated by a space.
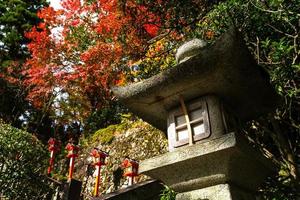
pixel 227 167
pixel 217 192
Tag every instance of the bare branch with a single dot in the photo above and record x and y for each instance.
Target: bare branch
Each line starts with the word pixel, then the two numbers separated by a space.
pixel 279 31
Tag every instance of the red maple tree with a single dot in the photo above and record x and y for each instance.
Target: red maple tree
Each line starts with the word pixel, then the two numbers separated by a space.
pixel 78 49
pixel 82 49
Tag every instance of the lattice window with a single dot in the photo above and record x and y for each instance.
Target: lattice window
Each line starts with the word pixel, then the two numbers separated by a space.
pixel 198 120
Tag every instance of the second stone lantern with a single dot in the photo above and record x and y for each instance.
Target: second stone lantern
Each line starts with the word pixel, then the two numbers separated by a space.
pixel 200 104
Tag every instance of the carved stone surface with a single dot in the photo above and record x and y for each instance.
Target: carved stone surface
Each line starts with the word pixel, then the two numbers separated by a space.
pixel 225 69
pixel 227 159
pixel 217 192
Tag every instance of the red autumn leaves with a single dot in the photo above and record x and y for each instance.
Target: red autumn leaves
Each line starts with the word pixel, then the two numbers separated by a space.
pixel 94 39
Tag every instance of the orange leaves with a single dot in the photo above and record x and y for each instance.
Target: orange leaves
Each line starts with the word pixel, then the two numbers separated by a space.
pixel 120 80
pixel 75 22
pixel 42 26
pixel 49 15
pixel 40 41
pixel 84 59
pixel 152 23
pixel 109 24
pixel 151 29
pixel 37 79
pixel 110 20
pixel 11 72
pixel 143 17
pixel 71 5
pixel 38 70
pixel 209 34
pixel 97 65
pixel 109 6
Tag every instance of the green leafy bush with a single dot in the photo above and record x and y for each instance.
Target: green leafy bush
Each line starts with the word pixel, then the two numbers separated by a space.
pixel 168 194
pixel 271 31
pixel 106 135
pixel 23 160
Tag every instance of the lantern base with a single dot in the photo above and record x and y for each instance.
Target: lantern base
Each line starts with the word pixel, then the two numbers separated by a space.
pixel 228 159
pixel 217 192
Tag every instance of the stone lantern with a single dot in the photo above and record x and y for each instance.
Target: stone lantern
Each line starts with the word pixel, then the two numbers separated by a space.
pixel 200 104
pixel 54 147
pixel 131 168
pixel 72 154
pixel 99 156
pixel 99 160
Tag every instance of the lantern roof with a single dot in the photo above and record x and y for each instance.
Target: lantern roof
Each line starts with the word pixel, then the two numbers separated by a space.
pixel 71 146
pixel 225 69
pixel 130 162
pixel 96 152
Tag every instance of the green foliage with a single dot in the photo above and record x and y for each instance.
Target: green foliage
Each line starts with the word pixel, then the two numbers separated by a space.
pixel 158 58
pixel 16 17
pixel 106 135
pixel 103 117
pixel 23 161
pixel 168 194
pixel 271 31
pixel 275 190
